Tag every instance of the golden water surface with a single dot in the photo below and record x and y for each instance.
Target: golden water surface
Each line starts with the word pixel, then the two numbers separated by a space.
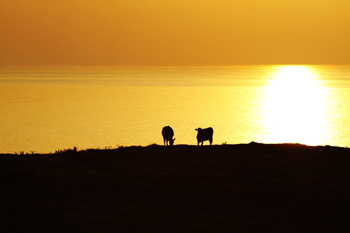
pixel 43 110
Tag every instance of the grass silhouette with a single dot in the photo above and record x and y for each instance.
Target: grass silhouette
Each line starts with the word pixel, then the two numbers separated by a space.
pixel 222 188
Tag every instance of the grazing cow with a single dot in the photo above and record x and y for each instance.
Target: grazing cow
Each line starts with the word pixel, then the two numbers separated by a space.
pixel 205 134
pixel 168 134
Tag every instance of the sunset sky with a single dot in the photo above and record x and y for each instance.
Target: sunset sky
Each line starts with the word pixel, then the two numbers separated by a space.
pixel 181 32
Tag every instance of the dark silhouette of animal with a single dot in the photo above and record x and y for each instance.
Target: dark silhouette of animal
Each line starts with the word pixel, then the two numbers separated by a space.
pixel 204 135
pixel 168 134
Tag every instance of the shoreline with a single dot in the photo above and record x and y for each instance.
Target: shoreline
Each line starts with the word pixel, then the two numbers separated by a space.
pixel 110 148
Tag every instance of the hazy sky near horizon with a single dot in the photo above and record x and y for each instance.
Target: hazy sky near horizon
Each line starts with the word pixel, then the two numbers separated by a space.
pixel 181 32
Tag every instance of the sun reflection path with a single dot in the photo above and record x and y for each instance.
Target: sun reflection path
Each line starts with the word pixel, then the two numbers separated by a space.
pixel 294 108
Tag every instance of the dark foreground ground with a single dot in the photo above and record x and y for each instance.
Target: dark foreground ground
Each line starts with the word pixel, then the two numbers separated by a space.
pixel 228 188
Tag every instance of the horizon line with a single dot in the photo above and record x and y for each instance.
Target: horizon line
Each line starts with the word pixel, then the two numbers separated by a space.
pixel 170 66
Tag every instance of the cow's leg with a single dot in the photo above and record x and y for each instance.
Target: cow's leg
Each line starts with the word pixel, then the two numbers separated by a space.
pixel 202 143
pixel 211 140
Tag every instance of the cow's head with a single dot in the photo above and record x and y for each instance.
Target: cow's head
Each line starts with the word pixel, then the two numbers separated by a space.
pixel 172 141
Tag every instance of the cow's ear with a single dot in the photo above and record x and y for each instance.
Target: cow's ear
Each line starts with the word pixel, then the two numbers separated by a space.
pixel 174 139
pixel 196 129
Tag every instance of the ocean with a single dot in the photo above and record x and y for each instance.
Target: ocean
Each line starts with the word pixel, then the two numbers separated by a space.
pixel 49 109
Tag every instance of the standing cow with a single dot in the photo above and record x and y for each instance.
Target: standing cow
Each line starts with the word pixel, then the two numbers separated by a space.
pixel 205 134
pixel 168 134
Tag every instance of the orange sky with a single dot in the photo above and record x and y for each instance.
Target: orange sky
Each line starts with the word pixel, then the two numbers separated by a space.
pixel 167 32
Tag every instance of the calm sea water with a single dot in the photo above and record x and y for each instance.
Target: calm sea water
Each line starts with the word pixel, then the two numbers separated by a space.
pixel 43 110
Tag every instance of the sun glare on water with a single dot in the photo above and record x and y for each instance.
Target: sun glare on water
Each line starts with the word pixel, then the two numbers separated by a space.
pixel 295 108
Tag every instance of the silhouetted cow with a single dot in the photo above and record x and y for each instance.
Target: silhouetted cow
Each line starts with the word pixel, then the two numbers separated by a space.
pixel 168 134
pixel 205 134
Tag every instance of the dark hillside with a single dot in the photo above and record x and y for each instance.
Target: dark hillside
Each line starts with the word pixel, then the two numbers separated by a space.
pixel 228 188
